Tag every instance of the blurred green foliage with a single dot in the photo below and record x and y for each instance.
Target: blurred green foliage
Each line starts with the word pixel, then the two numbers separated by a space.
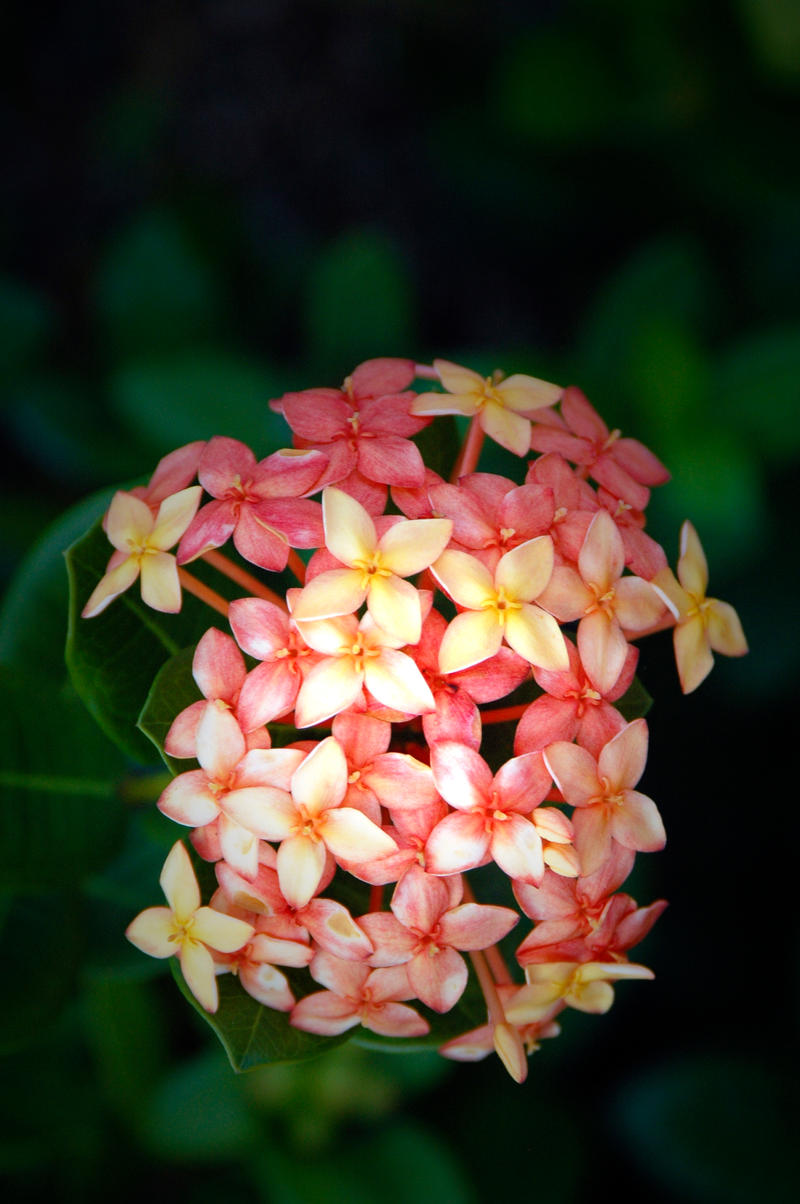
pixel 216 211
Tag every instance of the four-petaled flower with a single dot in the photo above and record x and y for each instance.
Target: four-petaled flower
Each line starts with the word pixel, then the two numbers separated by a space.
pixel 503 407
pixel 142 541
pixel 702 623
pixel 187 929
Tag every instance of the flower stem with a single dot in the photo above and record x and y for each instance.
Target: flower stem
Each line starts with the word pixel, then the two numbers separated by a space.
pixel 297 566
pixel 504 714
pixel 201 591
pixel 470 451
pixel 493 956
pixel 241 576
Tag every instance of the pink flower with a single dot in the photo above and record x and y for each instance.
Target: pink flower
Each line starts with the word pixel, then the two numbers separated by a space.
pixel 427 927
pixel 259 504
pixel 358 995
pixel 363 428
pixel 219 670
pixel 622 466
pixel 490 820
pixel 309 819
pixel 268 633
pixel 355 657
pixel 601 790
pixel 603 600
pixel 572 708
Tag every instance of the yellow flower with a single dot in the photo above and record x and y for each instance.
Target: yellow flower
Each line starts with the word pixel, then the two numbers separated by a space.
pixel 702 623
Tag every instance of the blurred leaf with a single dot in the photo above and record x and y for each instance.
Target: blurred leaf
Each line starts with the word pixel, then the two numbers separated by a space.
pixel 359 303
pixel 199 1114
pixel 155 291
pixel 774 27
pixel 197 393
pixel 114 657
pixel 61 816
pixel 33 617
pixel 64 426
pixel 551 86
pixel 756 386
pixel 125 1030
pixel 712 1130
pixel 26 321
pixel 40 937
pixel 399 1163
pixel 718 485
pixel 664 285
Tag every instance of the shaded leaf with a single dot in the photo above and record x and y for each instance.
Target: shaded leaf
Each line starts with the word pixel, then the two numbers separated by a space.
pixel 251 1034
pixel 33 617
pixel 114 657
pixel 61 816
pixel 40 936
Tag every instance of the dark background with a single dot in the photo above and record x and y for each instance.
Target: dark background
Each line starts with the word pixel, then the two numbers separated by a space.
pixel 204 205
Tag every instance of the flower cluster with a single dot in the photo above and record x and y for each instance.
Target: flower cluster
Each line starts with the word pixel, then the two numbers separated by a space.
pixel 424 602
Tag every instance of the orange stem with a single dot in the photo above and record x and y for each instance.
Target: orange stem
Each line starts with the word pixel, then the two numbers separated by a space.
pixel 503 714
pixel 201 591
pixel 493 957
pixel 297 565
pixel 470 451
pixel 241 576
pixel 375 898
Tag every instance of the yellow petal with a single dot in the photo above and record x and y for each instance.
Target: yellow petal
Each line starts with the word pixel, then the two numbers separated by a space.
pixel 349 530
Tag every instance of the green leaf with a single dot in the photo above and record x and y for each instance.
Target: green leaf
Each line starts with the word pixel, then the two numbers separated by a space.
pixel 173 690
pixel 199 1114
pixel 635 702
pixel 251 1034
pixel 33 618
pixel 40 937
pixel 197 393
pixel 62 816
pixel 359 303
pixel 114 657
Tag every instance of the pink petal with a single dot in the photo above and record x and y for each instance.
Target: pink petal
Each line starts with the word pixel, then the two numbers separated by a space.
pixel 476 926
pixel 623 759
pixel 439 978
pixel 516 846
pixel 218 666
pixel 461 775
pixel 458 843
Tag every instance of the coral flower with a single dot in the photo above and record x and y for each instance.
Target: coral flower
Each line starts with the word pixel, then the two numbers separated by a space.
pixel 358 995
pixel 601 790
pixel 259 504
pixel 188 930
pixel 702 623
pixel 142 540
pixel 502 407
